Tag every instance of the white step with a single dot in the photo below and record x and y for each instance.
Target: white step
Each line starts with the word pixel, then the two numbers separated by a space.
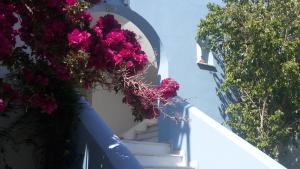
pixel 151 167
pixel 146 135
pixel 147 148
pixel 151 128
pixel 153 139
pixel 170 160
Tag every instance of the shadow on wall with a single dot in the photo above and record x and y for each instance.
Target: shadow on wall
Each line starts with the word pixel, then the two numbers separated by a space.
pixel 226 97
pixel 176 133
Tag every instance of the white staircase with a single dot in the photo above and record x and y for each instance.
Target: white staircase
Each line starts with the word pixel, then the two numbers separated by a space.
pixel 151 134
pixel 143 143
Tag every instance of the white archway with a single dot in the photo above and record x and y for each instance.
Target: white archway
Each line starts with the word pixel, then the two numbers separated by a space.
pixel 109 105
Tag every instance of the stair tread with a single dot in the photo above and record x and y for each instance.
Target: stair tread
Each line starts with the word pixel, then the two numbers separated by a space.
pixel 153 124
pixel 168 160
pixel 178 167
pixel 145 142
pixel 152 139
pixel 146 136
pixel 150 153
pixel 146 131
pixel 147 148
pixel 161 155
pixel 149 128
pixel 153 127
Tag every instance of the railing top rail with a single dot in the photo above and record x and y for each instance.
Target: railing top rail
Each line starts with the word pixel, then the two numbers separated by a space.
pixel 119 156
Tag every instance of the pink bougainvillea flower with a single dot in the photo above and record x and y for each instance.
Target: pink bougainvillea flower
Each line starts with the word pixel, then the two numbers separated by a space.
pixel 2 105
pixel 71 2
pixel 98 31
pixel 168 88
pixel 131 37
pixel 107 23
pixel 141 58
pixel 130 64
pixel 128 45
pixel 117 59
pixel 80 39
pixel 49 105
pixel 86 16
pixel 75 37
pixel 46 103
pixel 115 37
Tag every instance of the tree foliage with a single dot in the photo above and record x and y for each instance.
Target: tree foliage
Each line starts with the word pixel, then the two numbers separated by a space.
pixel 259 41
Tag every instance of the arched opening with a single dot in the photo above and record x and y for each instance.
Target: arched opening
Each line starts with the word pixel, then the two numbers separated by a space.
pixel 109 105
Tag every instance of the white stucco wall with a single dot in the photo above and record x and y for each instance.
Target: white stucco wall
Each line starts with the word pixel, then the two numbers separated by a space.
pixel 116 114
pixel 109 105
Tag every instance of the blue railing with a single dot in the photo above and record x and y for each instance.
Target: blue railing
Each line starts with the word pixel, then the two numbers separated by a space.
pixel 99 147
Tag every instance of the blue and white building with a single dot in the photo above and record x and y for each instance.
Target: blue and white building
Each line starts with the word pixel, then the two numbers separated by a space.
pixel 108 137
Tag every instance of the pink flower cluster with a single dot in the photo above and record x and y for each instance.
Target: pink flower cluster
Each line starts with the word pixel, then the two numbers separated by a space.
pixel 138 94
pixel 85 16
pixel 79 39
pixel 46 103
pixel 71 2
pixel 114 48
pixel 124 51
pixel 168 89
pixel 46 33
pixel 105 50
pixel 7 33
pixel 106 24
pixel 145 99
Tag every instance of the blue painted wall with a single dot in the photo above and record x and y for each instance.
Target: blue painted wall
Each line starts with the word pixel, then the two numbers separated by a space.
pixel 176 24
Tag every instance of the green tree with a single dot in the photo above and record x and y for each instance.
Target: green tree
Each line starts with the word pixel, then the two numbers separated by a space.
pixel 259 41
